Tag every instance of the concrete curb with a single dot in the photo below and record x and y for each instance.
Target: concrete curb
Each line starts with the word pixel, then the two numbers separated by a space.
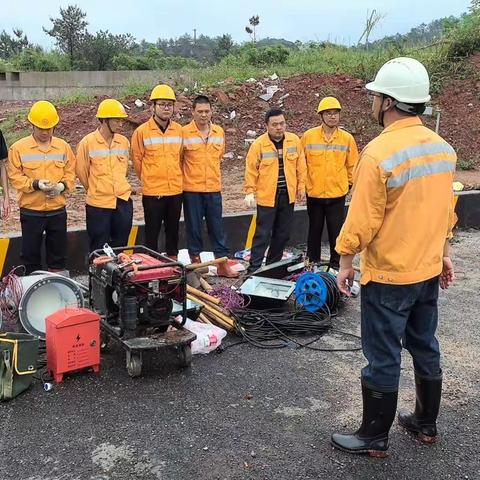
pixel 238 227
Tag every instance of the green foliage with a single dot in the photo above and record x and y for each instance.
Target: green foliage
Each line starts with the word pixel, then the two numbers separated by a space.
pixel 11 45
pixel 224 46
pixel 134 89
pixel 467 164
pixel 271 42
pixel 99 50
pixel 152 62
pixel 8 127
pixel 36 59
pixel 126 61
pixel 69 31
pixel 464 40
pixel 74 97
pixel 249 54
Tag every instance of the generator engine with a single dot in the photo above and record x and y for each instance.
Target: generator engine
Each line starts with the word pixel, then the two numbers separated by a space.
pixel 134 293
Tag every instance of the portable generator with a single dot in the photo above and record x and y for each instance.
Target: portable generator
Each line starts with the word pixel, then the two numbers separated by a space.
pixel 134 294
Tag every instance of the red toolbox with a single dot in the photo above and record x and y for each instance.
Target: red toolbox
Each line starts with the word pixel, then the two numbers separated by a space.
pixel 73 341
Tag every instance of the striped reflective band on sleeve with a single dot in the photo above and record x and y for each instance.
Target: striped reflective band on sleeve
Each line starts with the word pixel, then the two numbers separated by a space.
pixel 42 156
pixel 402 156
pixel 421 171
pixel 161 140
pixel 327 146
pixel 104 153
pixel 265 155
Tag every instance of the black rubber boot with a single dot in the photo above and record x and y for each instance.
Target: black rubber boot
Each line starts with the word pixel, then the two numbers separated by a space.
pixel 372 437
pixel 423 421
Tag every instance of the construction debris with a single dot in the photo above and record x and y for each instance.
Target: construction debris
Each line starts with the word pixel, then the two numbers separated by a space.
pixel 271 90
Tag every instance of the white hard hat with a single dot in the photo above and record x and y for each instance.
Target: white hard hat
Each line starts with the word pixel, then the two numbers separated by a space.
pixel 404 79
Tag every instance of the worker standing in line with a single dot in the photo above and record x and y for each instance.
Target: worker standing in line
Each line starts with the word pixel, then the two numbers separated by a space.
pixel 156 150
pixel 401 218
pixel 5 204
pixel 274 178
pixel 331 155
pixel 102 168
pixel 203 150
pixel 41 168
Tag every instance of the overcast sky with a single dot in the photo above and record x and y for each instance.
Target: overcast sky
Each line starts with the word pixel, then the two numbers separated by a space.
pixel 337 21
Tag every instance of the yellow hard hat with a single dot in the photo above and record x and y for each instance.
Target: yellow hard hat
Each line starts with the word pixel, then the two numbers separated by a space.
pixel 162 92
pixel 111 108
pixel 328 103
pixel 458 186
pixel 43 114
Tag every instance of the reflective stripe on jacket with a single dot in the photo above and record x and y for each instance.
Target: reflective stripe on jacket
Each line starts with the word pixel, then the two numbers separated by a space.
pixel 201 159
pixel 261 170
pixel 156 158
pixel 402 208
pixel 102 169
pixel 330 163
pixel 27 161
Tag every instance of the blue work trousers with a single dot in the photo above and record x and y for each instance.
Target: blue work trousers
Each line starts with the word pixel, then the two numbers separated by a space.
pixel 196 206
pixel 396 317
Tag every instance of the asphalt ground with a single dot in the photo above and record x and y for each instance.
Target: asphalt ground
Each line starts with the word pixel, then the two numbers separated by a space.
pixel 248 413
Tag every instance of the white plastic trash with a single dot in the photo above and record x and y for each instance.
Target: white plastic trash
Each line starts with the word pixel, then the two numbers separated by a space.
pixel 209 337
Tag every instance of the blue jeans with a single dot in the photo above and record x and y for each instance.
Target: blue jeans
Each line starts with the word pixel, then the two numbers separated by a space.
pixel 396 316
pixel 109 225
pixel 197 205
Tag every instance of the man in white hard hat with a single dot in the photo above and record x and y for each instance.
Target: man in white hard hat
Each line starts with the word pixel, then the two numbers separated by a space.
pixel 401 218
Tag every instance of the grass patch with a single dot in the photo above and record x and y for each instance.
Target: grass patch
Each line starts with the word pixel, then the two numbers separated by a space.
pixel 467 164
pixel 7 126
pixel 134 89
pixel 74 97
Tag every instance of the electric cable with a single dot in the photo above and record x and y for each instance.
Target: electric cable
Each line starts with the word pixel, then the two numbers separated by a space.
pixel 273 329
pixel 11 292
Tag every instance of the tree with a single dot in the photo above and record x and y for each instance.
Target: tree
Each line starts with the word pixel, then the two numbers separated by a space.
pixel 69 30
pixel 371 22
pixel 252 29
pixel 224 46
pixel 99 50
pixel 474 6
pixel 11 45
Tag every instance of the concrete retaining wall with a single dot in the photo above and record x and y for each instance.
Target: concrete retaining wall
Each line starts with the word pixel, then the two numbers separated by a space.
pixel 239 230
pixel 48 85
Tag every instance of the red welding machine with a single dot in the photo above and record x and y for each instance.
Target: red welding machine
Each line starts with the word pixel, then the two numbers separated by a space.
pixel 73 341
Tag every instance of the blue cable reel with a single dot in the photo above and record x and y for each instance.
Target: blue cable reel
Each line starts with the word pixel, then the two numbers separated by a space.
pixel 311 291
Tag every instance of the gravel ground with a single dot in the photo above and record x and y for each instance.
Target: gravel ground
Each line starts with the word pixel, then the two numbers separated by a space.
pixel 248 413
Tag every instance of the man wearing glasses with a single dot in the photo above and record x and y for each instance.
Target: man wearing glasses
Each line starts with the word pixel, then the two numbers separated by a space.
pixel 331 155
pixel 156 150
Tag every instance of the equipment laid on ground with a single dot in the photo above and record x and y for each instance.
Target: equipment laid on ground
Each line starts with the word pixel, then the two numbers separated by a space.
pixel 282 268
pixel 193 309
pixel 134 295
pixel 267 292
pixel 73 341
pixel 43 294
pixel 18 363
pixel 317 292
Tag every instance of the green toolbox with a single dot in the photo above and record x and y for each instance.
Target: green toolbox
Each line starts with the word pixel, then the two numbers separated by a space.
pixel 18 363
